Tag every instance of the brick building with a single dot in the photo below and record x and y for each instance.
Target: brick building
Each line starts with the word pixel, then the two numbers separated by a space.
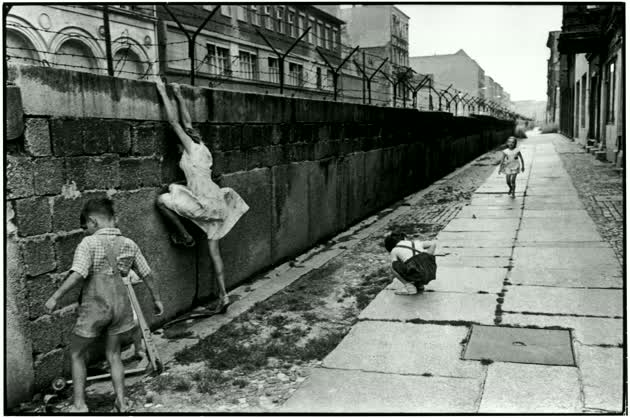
pixel 592 88
pixel 73 37
pixel 381 31
pixel 553 79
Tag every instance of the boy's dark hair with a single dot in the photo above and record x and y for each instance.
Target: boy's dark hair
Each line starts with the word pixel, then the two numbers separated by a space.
pixel 103 207
pixel 392 240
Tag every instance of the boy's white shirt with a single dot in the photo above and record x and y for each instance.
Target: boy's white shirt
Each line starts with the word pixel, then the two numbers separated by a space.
pixel 404 254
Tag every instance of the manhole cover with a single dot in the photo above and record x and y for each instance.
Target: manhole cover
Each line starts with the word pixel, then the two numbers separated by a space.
pixel 520 345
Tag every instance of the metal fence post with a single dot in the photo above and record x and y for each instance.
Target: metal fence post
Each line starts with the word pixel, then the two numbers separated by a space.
pixel 108 41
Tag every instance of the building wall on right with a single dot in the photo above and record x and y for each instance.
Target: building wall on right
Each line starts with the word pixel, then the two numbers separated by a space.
pixel 591 83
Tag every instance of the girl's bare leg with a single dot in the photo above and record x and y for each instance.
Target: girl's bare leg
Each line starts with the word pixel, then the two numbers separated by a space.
pixel 509 183
pixel 217 261
pixel 173 221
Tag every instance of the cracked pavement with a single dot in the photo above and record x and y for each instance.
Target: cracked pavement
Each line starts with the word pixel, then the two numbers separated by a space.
pixel 537 261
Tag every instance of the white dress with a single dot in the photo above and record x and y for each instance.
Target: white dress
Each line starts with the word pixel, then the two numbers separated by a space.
pixel 215 210
pixel 511 164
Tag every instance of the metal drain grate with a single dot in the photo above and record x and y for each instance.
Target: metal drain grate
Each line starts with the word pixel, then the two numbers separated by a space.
pixel 520 345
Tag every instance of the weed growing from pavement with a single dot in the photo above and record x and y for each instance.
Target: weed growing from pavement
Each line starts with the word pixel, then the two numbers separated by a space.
pixel 178 383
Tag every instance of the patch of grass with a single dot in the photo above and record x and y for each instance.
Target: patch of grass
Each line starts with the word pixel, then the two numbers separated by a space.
pixel 209 380
pixel 318 348
pixel 310 317
pixel 178 383
pixel 241 383
pixel 278 320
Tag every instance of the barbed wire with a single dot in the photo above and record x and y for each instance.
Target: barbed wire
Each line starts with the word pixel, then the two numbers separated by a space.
pixel 310 74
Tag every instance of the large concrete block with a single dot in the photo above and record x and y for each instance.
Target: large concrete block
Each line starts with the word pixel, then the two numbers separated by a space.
pixel 52 331
pixel 48 175
pixel 246 248
pixel 19 172
pixel 38 256
pixel 148 138
pixel 18 358
pixel 37 137
pixel 66 210
pixel 67 136
pixel 174 268
pixel 40 288
pixel 139 172
pixel 290 211
pixel 356 186
pixel 48 366
pixel 373 170
pixel 91 173
pixel 322 199
pixel 14 117
pixel 65 246
pixel 32 216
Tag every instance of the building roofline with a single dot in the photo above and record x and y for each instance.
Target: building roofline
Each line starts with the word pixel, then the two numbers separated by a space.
pixel 405 14
pixel 331 16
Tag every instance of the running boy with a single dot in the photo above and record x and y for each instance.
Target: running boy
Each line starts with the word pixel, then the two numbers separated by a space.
pixel 413 262
pixel 510 164
pixel 100 261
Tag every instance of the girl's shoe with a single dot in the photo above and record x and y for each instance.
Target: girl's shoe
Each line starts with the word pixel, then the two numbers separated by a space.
pixel 178 240
pixel 409 290
pixel 222 306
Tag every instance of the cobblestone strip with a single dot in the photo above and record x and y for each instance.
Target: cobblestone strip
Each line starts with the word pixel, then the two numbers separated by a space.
pixel 600 187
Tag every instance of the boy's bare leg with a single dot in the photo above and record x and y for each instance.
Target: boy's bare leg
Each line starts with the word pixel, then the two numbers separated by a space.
pixel 78 346
pixel 405 282
pixel 217 261
pixel 117 370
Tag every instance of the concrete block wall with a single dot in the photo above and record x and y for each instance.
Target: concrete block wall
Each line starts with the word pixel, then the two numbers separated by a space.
pixel 308 169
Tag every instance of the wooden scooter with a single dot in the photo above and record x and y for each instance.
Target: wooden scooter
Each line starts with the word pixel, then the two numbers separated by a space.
pixel 157 367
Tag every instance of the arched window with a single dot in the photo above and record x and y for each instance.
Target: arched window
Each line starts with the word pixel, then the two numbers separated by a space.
pixel 20 50
pixel 76 56
pixel 127 64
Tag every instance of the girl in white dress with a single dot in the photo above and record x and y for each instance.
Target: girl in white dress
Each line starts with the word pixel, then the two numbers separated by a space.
pixel 510 164
pixel 213 209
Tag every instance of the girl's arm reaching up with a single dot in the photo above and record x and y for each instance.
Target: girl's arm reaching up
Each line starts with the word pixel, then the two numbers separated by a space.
pixel 522 161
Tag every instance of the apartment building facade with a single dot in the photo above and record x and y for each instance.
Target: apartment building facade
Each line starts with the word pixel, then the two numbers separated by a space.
pixel 73 37
pixel 235 49
pixel 381 32
pixel 592 89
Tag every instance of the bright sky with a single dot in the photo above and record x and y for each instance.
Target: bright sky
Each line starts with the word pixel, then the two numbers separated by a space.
pixel 508 41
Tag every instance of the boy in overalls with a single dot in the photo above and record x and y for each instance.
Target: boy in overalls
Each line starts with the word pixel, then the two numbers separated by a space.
pixel 100 262
pixel 413 262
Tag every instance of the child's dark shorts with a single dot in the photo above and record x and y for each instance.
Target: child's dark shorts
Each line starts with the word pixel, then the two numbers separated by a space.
pixel 96 317
pixel 419 269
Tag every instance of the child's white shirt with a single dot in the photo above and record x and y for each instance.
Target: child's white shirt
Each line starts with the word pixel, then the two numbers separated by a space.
pixel 404 254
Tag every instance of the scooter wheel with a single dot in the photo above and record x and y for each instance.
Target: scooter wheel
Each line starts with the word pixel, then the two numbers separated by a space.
pixel 59 384
pixel 159 368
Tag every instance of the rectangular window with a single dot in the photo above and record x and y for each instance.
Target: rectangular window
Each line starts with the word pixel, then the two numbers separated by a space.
pixel 241 13
pixel 311 33
pixel 268 20
pixel 292 29
pixel 247 64
pixel 319 78
pixel 280 19
pixel 296 74
pixel 320 34
pixel 583 100
pixel 328 38
pixel 219 60
pixel 330 81
pixel 610 92
pixel 254 15
pixel 301 21
pixel 226 11
pixel 274 70
pixel 335 41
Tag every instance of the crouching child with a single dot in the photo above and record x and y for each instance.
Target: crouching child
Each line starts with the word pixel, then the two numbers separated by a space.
pixel 413 262
pixel 100 261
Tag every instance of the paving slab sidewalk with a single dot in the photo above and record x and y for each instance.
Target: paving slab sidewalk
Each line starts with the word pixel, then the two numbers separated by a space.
pixel 405 354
